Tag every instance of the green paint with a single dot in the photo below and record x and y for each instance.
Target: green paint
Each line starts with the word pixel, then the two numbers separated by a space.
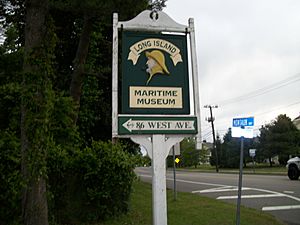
pixel 171 50
pixel 157 125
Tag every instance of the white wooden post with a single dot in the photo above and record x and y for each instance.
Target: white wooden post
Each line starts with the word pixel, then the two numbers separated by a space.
pixel 159 199
pixel 158 149
pixel 195 82
pixel 115 77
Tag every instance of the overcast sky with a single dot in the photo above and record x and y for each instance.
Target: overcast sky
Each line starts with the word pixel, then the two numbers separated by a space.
pixel 248 57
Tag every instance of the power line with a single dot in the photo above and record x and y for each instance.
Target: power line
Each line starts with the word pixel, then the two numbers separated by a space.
pixel 274 109
pixel 261 113
pixel 207 135
pixel 206 129
pixel 257 126
pixel 264 90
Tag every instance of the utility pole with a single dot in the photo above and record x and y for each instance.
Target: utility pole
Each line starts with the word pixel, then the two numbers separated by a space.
pixel 211 120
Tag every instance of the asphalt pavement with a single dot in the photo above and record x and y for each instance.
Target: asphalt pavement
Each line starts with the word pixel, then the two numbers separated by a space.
pixel 276 195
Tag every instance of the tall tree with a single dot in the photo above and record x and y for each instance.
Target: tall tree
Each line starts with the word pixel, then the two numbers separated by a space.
pixel 35 113
pixel 280 137
pixel 92 13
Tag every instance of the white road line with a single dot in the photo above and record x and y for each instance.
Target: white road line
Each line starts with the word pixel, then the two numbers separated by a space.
pixel 189 182
pixel 220 190
pixel 254 189
pixel 289 192
pixel 195 182
pixel 283 207
pixel 251 196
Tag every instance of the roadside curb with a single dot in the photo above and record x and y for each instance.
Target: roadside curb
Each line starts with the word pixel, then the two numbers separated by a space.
pixel 232 172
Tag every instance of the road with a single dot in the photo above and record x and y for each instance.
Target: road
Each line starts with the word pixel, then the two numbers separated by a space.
pixel 276 195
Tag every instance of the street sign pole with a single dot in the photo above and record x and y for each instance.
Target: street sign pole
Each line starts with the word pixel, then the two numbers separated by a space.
pixel 242 128
pixel 174 173
pixel 253 164
pixel 238 209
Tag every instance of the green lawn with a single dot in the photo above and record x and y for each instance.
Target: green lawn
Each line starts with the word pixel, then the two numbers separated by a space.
pixel 189 209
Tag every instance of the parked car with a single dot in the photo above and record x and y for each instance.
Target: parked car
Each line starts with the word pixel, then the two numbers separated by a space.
pixel 293 166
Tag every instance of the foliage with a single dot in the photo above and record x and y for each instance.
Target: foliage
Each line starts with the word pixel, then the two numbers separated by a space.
pixel 90 185
pixel 39 84
pixel 10 178
pixel 280 137
pixel 229 151
pixel 189 154
pixel 158 5
pixel 213 158
pixel 10 86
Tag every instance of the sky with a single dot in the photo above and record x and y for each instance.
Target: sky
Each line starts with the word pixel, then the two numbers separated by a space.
pixel 248 54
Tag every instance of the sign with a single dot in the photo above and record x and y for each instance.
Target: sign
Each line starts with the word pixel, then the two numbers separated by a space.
pixel 239 122
pixel 242 127
pixel 154 74
pixel 252 152
pixel 154 88
pixel 157 125
pixel 177 160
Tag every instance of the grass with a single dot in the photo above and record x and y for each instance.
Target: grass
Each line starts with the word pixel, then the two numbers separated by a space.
pixel 258 169
pixel 189 209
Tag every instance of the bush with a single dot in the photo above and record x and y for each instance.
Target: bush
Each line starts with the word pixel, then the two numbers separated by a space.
pixel 91 185
pixel 10 178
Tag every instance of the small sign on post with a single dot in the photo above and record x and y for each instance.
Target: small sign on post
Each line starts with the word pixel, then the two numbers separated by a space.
pixel 252 152
pixel 241 128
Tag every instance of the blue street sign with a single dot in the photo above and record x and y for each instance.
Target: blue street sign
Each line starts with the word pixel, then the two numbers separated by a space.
pixel 242 127
pixel 243 122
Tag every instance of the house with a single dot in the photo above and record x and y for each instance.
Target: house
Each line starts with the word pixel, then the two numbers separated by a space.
pixel 206 152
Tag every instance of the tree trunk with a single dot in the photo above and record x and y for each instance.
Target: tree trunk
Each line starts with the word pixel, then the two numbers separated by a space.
pixel 79 62
pixel 34 199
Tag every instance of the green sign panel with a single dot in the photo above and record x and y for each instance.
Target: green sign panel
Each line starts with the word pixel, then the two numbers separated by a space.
pixel 157 125
pixel 154 74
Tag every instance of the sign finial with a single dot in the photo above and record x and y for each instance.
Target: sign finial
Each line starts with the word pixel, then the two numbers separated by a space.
pixel 154 15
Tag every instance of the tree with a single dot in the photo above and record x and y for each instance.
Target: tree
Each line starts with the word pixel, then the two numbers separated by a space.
pixel 189 155
pixel 49 53
pixel 91 15
pixel 36 109
pixel 230 150
pixel 213 153
pixel 280 137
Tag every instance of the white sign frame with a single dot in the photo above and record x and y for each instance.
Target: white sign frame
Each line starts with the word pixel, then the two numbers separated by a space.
pixel 157 145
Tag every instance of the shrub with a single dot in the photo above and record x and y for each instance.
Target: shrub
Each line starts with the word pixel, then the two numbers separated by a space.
pixel 10 178
pixel 91 185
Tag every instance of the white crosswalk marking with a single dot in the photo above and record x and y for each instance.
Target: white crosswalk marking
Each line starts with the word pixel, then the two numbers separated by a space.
pixel 220 190
pixel 251 196
pixel 282 207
